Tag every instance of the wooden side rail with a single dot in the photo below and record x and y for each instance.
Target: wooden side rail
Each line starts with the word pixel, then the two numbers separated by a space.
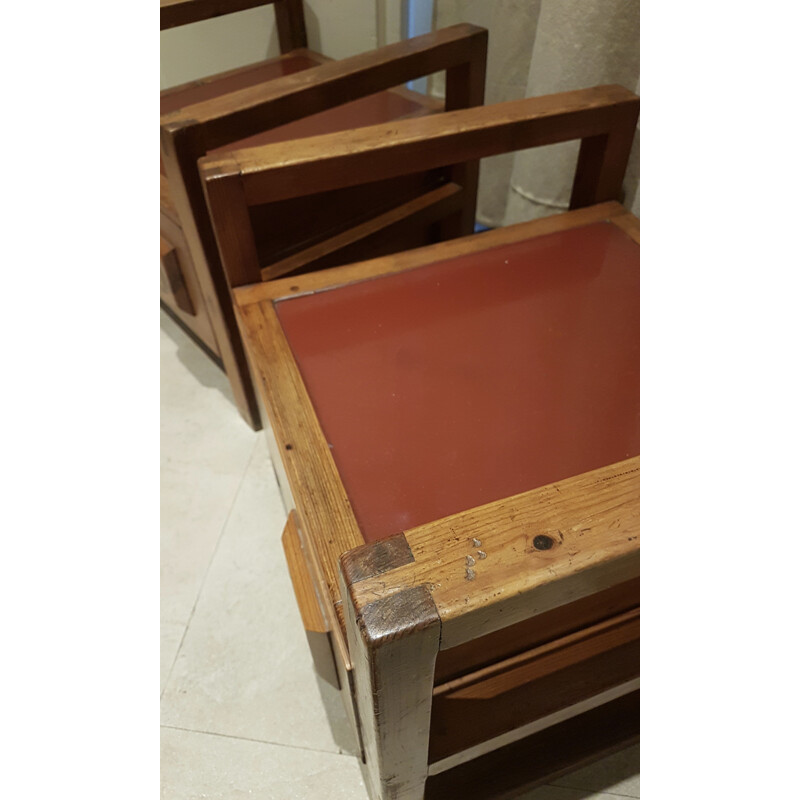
pixel 175 13
pixel 603 115
pixel 248 111
pixel 604 118
pixel 288 16
pixel 534 685
pixel 429 207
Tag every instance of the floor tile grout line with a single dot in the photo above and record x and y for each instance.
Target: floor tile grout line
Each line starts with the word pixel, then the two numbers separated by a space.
pixel 260 741
pixel 595 791
pixel 208 566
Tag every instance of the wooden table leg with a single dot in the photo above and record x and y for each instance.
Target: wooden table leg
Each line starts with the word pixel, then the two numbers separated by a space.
pixel 393 642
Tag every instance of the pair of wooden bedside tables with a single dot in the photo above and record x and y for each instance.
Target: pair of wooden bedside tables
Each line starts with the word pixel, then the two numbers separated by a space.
pixel 459 429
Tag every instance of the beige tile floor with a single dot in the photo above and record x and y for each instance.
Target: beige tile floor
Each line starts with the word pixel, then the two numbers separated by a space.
pixel 242 712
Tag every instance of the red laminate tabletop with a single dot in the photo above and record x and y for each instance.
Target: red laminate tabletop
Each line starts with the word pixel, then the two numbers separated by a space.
pixel 449 386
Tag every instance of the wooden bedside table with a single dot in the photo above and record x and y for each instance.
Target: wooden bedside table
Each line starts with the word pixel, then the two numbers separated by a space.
pixel 299 94
pixel 459 428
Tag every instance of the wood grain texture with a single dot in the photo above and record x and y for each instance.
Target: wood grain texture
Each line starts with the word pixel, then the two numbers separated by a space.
pixel 232 229
pixel 291 25
pixel 182 12
pixel 291 169
pixel 324 512
pixel 167 206
pixel 464 88
pixel 393 643
pixel 420 211
pixel 534 632
pixel 542 757
pixel 172 281
pixel 317 628
pixel 414 259
pixel 305 594
pixel 243 113
pixel 534 685
pixel 591 522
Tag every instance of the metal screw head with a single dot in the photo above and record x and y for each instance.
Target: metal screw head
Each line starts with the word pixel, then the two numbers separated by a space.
pixel 542 542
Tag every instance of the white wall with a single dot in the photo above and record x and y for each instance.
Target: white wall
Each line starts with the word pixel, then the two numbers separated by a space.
pixel 336 28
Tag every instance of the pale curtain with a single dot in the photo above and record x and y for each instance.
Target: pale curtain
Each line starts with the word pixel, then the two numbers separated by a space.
pixel 540 47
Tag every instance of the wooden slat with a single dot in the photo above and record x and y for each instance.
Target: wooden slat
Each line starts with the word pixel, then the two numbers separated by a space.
pixel 503 774
pixel 413 259
pixel 591 522
pixel 468 658
pixel 181 12
pixel 534 686
pixel 422 210
pixel 317 58
pixel 167 206
pixel 243 113
pixel 291 169
pixel 304 593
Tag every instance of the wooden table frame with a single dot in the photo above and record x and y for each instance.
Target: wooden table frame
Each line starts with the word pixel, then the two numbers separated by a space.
pixel 402 602
pixel 192 131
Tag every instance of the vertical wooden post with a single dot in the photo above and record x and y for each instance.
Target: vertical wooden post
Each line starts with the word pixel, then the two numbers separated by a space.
pixel 181 147
pixel 291 25
pixel 393 642
pixel 233 230
pixel 464 88
pixel 602 161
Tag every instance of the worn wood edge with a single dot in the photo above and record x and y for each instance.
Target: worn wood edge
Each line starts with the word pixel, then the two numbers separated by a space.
pixel 286 288
pixel 330 73
pixel 425 208
pixel 537 726
pixel 515 581
pixel 279 155
pixel 324 509
pixel 280 170
pixel 381 622
pixel 167 205
pixel 629 224
pixel 175 13
pixel 393 642
pixel 311 55
pixel 375 558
